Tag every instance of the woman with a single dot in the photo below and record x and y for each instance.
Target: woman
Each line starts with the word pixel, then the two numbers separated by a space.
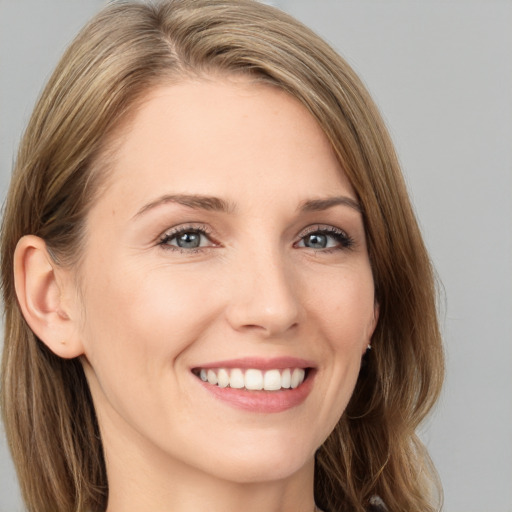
pixel 217 296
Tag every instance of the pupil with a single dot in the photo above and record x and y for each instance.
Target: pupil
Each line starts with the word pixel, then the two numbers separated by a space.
pixel 317 241
pixel 189 240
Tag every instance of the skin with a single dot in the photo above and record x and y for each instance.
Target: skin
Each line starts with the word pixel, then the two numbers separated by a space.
pixel 146 312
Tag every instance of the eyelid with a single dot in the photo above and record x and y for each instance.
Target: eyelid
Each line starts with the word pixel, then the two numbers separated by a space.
pixel 320 227
pixel 188 226
pixel 323 228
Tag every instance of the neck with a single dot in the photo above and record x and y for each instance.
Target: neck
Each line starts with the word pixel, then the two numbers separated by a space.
pixel 143 479
pixel 183 489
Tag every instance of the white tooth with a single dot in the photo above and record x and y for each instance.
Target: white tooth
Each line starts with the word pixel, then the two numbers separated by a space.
pixel 286 378
pixel 272 380
pixel 202 375
pixel 236 379
pixel 297 377
pixel 223 378
pixel 212 377
pixel 253 379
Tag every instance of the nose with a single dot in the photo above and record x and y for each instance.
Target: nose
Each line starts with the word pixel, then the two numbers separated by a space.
pixel 263 296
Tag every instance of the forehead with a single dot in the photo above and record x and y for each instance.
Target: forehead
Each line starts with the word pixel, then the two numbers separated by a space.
pixel 216 136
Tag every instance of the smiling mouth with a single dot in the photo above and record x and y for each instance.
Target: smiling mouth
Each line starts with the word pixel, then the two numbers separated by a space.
pixel 253 379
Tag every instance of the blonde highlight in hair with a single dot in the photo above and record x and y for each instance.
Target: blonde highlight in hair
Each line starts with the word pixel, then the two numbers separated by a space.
pixel 126 50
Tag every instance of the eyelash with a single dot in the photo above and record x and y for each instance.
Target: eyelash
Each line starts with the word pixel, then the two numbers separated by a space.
pixel 170 235
pixel 342 238
pixel 344 241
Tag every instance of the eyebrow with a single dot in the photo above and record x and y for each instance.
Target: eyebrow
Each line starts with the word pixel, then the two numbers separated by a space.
pixel 211 203
pixel 317 205
pixel 198 202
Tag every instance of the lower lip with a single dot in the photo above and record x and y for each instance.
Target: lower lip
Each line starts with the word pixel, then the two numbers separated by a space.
pixel 262 401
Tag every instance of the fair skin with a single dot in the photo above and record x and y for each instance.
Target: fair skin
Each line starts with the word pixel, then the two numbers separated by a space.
pixel 272 275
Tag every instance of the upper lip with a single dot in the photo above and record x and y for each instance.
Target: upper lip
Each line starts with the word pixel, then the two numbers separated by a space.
pixel 279 363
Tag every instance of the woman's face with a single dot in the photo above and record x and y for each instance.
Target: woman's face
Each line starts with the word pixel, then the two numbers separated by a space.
pixel 227 246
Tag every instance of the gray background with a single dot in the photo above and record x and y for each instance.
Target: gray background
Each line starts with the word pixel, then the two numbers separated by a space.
pixel 441 71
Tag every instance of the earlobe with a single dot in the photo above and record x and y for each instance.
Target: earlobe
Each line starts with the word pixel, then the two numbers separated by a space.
pixel 42 289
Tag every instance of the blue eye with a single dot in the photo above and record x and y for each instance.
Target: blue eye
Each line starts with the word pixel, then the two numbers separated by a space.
pixel 326 238
pixel 186 238
pixel 319 238
pixel 316 241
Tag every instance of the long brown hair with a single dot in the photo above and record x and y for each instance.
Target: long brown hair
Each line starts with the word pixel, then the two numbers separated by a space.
pixel 125 50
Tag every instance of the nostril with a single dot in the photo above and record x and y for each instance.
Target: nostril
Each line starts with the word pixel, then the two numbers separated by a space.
pixel 264 302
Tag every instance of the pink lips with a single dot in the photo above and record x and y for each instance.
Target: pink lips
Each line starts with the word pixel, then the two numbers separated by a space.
pixel 261 401
pixel 279 363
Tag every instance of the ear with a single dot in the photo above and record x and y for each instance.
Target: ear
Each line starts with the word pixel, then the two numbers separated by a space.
pixel 47 297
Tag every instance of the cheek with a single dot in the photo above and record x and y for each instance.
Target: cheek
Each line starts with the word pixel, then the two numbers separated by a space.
pixel 346 309
pixel 139 323
pixel 142 320
pixel 344 316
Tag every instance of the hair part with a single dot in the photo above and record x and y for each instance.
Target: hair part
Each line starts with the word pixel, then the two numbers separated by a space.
pixel 62 165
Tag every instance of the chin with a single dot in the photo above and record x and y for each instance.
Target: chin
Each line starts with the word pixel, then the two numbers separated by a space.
pixel 262 461
pixel 258 471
